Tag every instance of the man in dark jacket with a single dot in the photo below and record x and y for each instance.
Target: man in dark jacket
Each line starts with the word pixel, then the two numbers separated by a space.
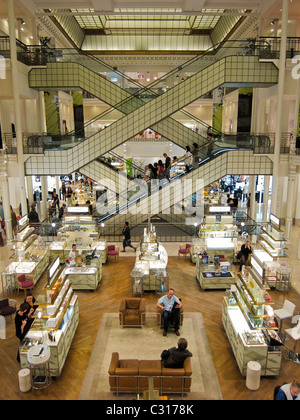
pixel 127 236
pixel 175 356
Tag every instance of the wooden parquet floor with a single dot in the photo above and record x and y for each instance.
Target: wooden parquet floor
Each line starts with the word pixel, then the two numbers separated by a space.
pixel 116 284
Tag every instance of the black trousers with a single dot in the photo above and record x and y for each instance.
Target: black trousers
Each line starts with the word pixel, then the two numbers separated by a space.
pixel 171 317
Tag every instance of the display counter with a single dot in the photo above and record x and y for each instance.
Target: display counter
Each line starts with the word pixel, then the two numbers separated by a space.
pixel 57 249
pixel 33 265
pixel 55 323
pixel 212 276
pixel 155 261
pixel 84 278
pixel 248 320
pixel 84 248
pixel 198 248
pixel 151 257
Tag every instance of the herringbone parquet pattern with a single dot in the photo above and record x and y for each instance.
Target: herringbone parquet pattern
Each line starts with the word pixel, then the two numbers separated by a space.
pixel 116 284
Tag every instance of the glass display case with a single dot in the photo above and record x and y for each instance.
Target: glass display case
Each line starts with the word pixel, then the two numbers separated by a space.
pixel 161 281
pixel 198 248
pixel 220 235
pixel 84 278
pixel 137 275
pixel 153 254
pixel 272 240
pixel 55 322
pixel 248 319
pixel 283 277
pixel 214 272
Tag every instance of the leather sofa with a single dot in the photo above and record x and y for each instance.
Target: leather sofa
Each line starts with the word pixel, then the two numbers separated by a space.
pixel 132 312
pixel 131 375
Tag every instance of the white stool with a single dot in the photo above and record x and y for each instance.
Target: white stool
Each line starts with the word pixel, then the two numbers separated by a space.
pixel 24 380
pixel 253 376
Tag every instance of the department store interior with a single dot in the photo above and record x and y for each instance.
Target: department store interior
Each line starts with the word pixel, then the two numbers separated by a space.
pixel 181 119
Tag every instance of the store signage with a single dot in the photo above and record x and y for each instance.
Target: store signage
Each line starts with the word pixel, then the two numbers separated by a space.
pixel 22 221
pixel 219 209
pixel 53 268
pixel 77 209
pixel 274 219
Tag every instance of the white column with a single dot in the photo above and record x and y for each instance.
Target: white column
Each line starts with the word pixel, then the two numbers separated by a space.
pixel 44 203
pixel 266 197
pixel 17 105
pixel 284 20
pixel 6 208
pixel 290 200
pixel 29 189
pixel 252 190
pixel 42 113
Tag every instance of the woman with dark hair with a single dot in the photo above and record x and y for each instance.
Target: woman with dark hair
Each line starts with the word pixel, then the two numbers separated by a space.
pixel 22 326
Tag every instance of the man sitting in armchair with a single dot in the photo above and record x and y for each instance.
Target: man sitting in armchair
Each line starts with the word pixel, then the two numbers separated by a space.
pixel 170 304
pixel 175 356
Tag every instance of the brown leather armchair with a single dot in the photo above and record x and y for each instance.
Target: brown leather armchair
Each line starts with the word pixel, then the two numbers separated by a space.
pixel 132 312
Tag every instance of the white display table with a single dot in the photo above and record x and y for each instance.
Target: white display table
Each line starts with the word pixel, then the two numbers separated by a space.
pixel 83 278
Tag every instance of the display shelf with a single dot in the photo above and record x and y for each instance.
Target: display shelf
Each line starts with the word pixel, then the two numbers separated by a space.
pixel 84 278
pixel 248 319
pixel 55 321
pixel 272 240
pixel 150 257
pixel 248 344
pixel 212 275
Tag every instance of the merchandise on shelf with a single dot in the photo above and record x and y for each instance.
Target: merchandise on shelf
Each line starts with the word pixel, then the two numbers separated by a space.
pixel 249 322
pixel 150 257
pixel 55 322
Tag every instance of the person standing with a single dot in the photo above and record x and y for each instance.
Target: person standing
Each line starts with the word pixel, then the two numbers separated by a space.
pixel 21 324
pixel 170 304
pixel 63 191
pixel 14 221
pixel 33 216
pixel 167 166
pixel 1 211
pixel 248 203
pixel 127 237
pixel 188 158
pixel 55 199
pixel 1 236
pixel 69 194
pixel 61 211
pixel 30 300
pixel 72 256
pixel 160 169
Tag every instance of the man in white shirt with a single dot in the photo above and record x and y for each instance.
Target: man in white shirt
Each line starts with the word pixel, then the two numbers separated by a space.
pixel 72 256
pixel 170 304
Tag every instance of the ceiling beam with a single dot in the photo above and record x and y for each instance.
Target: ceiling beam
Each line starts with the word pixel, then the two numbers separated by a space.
pixel 144 13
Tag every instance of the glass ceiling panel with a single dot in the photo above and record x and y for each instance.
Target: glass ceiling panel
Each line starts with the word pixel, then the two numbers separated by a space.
pixel 168 21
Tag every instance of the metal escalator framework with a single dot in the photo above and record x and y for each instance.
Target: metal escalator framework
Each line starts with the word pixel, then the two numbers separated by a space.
pixel 229 71
pixel 125 95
